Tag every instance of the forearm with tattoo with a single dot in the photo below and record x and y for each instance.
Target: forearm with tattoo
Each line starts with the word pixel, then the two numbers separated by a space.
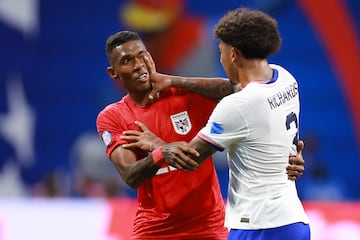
pixel 216 88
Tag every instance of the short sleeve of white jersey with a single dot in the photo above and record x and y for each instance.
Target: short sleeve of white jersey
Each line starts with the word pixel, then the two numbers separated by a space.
pixel 226 125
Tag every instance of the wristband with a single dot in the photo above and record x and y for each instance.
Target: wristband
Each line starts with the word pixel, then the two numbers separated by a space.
pixel 158 157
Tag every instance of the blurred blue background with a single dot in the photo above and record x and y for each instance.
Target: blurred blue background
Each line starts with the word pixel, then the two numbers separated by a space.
pixel 53 83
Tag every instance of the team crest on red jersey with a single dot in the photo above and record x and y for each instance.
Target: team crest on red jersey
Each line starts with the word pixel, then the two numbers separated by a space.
pixel 181 123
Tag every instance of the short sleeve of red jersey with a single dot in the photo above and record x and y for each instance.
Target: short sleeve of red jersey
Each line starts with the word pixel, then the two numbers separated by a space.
pixel 110 127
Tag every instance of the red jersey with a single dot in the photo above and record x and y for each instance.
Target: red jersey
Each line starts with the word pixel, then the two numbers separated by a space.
pixel 173 204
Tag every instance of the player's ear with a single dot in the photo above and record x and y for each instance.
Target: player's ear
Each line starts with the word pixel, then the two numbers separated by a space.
pixel 111 72
pixel 235 54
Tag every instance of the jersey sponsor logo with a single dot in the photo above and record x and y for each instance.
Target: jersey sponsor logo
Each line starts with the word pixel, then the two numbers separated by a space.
pixel 216 128
pixel 181 122
pixel 245 220
pixel 106 137
pixel 165 170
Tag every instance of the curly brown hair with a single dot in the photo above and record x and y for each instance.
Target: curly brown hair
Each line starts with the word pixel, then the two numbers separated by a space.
pixel 254 33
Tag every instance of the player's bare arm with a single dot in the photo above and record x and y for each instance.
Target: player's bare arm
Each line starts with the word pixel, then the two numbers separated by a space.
pixel 177 152
pixel 215 88
pixel 183 156
pixel 148 141
pixel 131 171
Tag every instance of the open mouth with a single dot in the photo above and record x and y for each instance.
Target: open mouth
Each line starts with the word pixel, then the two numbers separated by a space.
pixel 143 77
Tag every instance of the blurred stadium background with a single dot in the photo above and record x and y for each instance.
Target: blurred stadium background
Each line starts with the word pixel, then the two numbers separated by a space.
pixel 54 173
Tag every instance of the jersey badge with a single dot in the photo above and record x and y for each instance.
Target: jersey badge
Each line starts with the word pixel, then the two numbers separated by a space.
pixel 106 137
pixel 216 128
pixel 181 123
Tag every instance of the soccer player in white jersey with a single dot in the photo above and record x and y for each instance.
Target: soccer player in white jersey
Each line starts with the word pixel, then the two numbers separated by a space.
pixel 258 126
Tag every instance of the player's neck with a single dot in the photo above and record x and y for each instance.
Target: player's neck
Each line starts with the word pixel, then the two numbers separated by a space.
pixel 142 99
pixel 255 71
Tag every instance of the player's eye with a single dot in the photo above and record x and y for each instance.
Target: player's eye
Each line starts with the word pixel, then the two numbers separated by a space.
pixel 126 60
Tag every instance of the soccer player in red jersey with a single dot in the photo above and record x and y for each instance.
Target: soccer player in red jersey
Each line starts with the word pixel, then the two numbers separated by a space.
pixel 173 204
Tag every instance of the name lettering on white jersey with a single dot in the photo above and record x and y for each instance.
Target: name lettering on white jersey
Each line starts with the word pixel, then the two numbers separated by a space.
pixel 283 96
pixel 181 123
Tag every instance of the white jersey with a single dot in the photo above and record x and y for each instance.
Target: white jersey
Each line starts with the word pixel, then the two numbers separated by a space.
pixel 258 127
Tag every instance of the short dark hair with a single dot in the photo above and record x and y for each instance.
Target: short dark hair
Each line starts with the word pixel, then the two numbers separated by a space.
pixel 254 33
pixel 119 38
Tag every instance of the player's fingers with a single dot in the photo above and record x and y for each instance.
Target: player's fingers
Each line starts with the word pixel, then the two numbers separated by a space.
pixel 301 146
pixel 178 166
pixel 132 132
pixel 130 138
pixel 187 162
pixel 292 177
pixel 154 93
pixel 186 165
pixel 141 125
pixel 189 150
pixel 186 153
pixel 294 173
pixel 152 62
pixel 193 152
pixel 149 62
pixel 297 160
pixel 129 145
pixel 178 163
pixel 295 168
pixel 181 160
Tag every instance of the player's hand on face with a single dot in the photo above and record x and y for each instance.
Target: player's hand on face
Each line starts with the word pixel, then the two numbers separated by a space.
pixel 159 81
pixel 150 64
pixel 178 155
pixel 296 167
pixel 144 139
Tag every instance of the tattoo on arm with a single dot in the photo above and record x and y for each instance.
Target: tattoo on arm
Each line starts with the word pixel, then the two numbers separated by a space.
pixel 215 88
